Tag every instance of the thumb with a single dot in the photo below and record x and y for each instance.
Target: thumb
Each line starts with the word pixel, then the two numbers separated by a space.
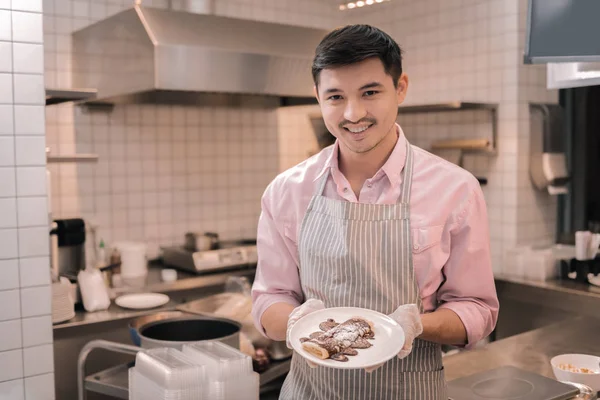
pixel 373 368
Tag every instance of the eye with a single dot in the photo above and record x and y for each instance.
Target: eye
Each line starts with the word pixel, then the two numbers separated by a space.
pixel 334 97
pixel 370 93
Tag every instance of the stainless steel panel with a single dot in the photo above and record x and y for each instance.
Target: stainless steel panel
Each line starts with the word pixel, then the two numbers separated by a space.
pixel 142 50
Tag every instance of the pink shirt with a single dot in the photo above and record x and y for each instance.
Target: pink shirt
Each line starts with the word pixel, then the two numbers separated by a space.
pixel 449 223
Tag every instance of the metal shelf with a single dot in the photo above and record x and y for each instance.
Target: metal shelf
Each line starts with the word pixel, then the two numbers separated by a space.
pixel 72 158
pixel 56 95
pixel 444 107
pixel 114 382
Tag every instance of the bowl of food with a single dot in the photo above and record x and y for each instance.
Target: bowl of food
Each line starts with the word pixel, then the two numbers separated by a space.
pixel 578 368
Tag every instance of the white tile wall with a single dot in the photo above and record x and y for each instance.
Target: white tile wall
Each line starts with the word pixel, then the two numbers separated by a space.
pixel 6 57
pixel 34 271
pixel 27 5
pixel 38 360
pixel 28 58
pixel 27 27
pixel 6 120
pixel 29 120
pixel 31 306
pixel 37 331
pixel 11 308
pixel 30 150
pixel 7 151
pixel 5 25
pixel 9 248
pixel 8 212
pixel 6 89
pixel 10 332
pixel 12 390
pixel 25 283
pixel 10 274
pixel 36 387
pixel 29 89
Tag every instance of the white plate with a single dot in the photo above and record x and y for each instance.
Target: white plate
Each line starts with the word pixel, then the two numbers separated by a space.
pixel 389 337
pixel 142 301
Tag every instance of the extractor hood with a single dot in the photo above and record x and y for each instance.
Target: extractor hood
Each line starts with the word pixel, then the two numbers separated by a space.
pixel 147 54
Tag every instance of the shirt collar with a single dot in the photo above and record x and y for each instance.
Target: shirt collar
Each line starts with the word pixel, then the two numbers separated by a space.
pixel 392 167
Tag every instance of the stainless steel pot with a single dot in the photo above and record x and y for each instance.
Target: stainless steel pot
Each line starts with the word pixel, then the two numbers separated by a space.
pixel 175 332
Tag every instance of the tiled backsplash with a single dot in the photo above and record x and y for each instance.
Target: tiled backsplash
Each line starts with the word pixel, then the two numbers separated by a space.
pixel 26 355
pixel 164 170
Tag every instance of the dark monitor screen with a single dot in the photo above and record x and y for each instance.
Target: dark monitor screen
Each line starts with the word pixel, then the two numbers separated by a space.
pixel 563 31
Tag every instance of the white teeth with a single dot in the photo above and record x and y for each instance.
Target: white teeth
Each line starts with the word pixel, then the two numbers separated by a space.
pixel 358 130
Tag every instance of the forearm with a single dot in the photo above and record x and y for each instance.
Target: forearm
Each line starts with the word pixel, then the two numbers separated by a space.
pixel 443 326
pixel 274 320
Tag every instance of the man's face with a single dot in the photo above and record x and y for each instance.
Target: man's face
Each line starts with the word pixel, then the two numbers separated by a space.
pixel 359 103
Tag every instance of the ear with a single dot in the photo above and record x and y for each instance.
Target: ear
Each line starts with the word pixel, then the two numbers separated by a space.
pixel 402 88
pixel 316 92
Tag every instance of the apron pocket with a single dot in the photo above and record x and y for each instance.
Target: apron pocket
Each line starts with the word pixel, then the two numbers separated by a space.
pixel 426 385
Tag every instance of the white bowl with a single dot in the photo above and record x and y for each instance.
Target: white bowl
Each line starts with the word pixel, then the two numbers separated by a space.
pixel 579 361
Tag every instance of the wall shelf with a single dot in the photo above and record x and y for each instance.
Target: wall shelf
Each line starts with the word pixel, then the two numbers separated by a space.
pixel 62 95
pixel 71 158
pixel 445 107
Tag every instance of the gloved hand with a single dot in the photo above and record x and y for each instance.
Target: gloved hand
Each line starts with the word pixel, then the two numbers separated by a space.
pixel 409 318
pixel 309 306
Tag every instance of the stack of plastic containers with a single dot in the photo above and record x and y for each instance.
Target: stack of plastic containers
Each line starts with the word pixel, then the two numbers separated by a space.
pixel 228 371
pixel 166 374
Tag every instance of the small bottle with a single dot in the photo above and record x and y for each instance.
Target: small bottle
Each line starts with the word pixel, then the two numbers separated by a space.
pixel 101 254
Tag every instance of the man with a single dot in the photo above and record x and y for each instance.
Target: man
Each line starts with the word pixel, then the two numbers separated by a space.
pixel 373 222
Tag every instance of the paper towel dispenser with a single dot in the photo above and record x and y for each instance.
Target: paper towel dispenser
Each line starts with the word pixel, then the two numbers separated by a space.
pixel 547 163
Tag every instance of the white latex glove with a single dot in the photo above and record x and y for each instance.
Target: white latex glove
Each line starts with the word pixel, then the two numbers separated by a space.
pixel 409 318
pixel 309 306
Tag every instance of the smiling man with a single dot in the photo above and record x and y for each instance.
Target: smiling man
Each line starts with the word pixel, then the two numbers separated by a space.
pixel 373 222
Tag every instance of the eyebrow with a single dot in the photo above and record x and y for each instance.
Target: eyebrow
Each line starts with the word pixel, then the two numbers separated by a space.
pixel 370 85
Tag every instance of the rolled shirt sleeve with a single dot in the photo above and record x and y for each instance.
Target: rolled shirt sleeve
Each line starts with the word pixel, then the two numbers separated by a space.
pixel 469 289
pixel 277 279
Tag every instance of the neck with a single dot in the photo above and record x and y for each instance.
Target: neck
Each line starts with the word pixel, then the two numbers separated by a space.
pixel 362 166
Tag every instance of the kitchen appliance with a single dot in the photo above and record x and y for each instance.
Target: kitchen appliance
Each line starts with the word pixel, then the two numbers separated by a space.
pixel 175 332
pixel 217 57
pixel 228 255
pixel 509 383
pixel 195 241
pixel 70 250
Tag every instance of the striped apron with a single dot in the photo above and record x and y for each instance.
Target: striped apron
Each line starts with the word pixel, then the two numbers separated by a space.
pixel 360 255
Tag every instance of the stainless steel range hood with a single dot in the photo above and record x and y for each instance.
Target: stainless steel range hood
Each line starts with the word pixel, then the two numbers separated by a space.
pixel 146 54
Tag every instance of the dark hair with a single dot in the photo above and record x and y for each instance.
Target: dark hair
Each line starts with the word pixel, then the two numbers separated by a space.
pixel 356 43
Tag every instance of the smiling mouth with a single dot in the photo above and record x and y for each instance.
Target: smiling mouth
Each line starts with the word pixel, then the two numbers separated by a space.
pixel 357 130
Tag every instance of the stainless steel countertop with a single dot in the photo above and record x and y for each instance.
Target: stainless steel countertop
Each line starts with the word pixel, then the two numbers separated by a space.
pixel 571 297
pixel 199 285
pixel 530 351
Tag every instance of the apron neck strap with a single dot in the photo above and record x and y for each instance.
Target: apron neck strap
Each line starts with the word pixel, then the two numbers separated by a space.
pixel 406 177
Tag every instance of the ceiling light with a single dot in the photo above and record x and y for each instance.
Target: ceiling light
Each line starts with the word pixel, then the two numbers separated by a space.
pixel 359 3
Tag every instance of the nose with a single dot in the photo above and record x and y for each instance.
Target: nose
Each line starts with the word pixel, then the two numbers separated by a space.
pixel 354 111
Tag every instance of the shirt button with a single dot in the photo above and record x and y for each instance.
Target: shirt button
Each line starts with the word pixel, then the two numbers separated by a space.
pixel 369 185
pixel 416 246
pixel 345 190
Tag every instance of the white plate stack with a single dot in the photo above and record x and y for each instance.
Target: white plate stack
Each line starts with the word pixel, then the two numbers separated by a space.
pixel 63 307
pixel 228 371
pixel 166 374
